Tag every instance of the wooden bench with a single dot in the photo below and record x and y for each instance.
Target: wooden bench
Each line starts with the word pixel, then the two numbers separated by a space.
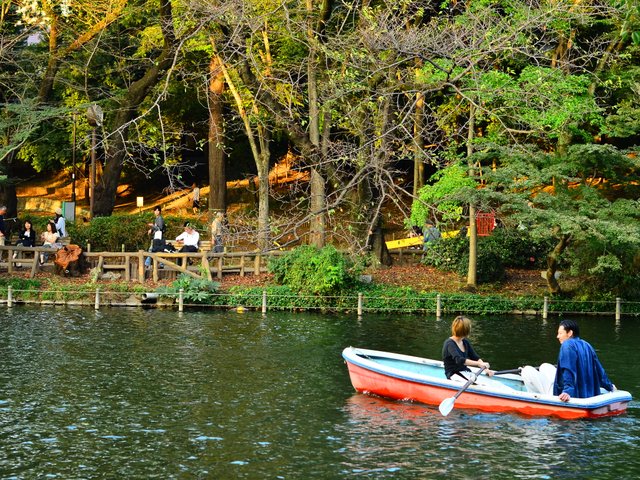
pixel 203 245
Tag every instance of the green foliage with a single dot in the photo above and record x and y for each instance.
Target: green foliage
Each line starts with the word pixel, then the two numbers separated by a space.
pixel 195 290
pixel 22 287
pixel 610 267
pixel 490 266
pixel 505 247
pixel 601 218
pixel 447 254
pixel 110 233
pixel 440 196
pixel 315 271
pixel 515 247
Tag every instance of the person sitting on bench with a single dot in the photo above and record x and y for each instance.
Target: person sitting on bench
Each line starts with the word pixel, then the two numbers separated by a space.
pixel 27 238
pixel 189 239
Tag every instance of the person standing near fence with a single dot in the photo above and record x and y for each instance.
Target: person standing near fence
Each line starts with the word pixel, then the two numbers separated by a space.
pixel 158 224
pixel 195 198
pixel 61 223
pixel 216 233
pixel 431 235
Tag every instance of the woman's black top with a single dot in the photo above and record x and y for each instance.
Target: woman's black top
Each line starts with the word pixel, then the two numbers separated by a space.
pixel 27 239
pixel 454 358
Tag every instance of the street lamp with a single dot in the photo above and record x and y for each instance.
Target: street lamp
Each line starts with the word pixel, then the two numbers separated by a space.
pixel 94 117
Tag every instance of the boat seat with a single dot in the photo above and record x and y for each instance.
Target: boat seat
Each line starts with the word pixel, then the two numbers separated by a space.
pixel 494 384
pixel 485 381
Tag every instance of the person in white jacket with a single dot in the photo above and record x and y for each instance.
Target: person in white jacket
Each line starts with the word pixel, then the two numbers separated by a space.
pixel 189 239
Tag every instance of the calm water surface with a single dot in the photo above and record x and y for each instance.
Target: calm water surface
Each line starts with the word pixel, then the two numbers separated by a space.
pixel 156 394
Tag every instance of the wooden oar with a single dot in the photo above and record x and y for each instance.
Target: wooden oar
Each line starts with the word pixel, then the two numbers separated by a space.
pixel 447 404
pixel 513 370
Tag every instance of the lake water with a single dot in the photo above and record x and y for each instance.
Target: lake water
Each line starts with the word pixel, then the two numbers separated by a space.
pixel 157 394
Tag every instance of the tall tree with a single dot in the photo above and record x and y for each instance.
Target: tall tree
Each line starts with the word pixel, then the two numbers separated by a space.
pixel 217 176
pixel 128 104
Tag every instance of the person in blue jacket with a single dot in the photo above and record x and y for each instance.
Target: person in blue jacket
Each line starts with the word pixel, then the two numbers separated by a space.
pixel 580 374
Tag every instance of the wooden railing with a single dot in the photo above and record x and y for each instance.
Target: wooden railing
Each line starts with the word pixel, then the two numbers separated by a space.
pixel 25 257
pixel 131 265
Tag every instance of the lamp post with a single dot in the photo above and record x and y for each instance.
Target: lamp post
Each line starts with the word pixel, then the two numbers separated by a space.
pixel 94 117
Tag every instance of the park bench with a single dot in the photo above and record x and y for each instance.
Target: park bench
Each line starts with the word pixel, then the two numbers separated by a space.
pixel 203 245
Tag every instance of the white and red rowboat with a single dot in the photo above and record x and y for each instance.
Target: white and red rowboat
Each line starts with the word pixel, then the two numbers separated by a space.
pixel 408 378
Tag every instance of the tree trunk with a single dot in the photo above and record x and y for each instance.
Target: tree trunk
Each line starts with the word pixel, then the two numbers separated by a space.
pixel 472 279
pixel 217 175
pixel 378 245
pixel 317 234
pixel 106 189
pixel 258 136
pixel 8 196
pixel 418 155
pixel 317 183
pixel 264 229
pixel 552 264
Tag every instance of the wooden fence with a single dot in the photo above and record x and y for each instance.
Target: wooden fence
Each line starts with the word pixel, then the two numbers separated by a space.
pixel 131 265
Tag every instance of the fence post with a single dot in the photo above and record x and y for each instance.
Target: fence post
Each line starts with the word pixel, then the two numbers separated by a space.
pixel 264 302
pixel 438 306
pixel 97 304
pixel 359 304
pixel 545 308
pixel 9 296
pixel 618 308
pixel 181 300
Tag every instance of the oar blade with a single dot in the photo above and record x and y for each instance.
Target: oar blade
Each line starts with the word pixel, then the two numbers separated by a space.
pixel 446 406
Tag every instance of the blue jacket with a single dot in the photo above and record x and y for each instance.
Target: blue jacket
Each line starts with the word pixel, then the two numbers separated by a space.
pixel 580 373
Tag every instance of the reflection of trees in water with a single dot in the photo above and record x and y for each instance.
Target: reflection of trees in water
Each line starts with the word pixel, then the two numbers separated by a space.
pixel 395 439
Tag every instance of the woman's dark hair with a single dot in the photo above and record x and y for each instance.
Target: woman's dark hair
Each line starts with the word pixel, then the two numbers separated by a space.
pixel 53 227
pixel 157 207
pixel 571 325
pixel 187 224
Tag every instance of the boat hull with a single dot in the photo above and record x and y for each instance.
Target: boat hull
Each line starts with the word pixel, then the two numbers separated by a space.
pixel 370 377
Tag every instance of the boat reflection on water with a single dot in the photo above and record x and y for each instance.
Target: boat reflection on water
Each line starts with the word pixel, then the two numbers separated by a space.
pixel 386 436
pixel 378 409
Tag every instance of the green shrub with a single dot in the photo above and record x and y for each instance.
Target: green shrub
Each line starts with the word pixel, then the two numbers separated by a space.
pixel 609 269
pixel 315 271
pixel 110 233
pixel 446 253
pixel 516 248
pixel 23 287
pixel 195 290
pixel 503 248
pixel 489 266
